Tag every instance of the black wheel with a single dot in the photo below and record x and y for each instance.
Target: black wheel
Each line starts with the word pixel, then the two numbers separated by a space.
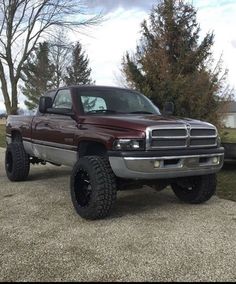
pixel 93 187
pixel 17 162
pixel 196 190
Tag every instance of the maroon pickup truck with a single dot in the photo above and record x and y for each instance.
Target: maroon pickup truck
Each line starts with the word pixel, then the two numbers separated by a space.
pixel 114 139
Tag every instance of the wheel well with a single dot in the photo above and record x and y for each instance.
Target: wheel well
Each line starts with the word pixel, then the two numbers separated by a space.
pixel 16 136
pixel 91 148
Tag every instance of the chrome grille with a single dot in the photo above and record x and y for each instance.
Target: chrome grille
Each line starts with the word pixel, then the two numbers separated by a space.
pixel 203 132
pixel 169 132
pixel 186 136
pixel 170 142
pixel 202 142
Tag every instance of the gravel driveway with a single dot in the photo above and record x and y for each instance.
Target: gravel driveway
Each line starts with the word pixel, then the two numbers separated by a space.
pixel 149 237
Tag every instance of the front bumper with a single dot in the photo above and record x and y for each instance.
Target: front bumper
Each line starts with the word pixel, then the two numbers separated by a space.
pixel 166 167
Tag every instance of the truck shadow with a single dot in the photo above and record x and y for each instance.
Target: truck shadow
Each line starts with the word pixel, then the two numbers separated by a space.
pixel 138 201
pixel 230 165
pixel 49 173
pixel 129 203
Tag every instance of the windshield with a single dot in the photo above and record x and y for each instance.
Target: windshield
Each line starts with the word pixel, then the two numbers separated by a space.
pixel 115 101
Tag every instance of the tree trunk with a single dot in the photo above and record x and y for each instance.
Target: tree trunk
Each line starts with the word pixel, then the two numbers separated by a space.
pixel 14 99
pixel 11 105
pixel 6 100
pixel 4 90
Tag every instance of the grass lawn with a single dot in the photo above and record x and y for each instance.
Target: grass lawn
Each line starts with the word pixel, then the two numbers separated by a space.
pixel 227 182
pixel 229 135
pixel 226 178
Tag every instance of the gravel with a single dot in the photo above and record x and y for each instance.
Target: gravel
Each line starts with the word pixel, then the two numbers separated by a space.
pixel 150 236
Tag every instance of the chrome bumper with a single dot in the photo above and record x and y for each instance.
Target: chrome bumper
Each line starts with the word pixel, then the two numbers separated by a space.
pixel 166 167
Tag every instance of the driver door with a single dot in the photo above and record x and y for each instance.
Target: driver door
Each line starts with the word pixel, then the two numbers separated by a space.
pixel 53 134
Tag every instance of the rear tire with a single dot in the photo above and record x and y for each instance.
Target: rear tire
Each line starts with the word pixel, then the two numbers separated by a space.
pixel 196 190
pixel 93 187
pixel 17 164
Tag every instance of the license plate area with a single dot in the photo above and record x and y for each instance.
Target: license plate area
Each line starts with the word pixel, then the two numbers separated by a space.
pixel 191 162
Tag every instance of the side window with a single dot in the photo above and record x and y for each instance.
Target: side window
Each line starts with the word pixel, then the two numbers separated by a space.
pixel 93 103
pixel 63 100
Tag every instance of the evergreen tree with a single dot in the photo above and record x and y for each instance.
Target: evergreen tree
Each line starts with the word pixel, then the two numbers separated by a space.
pixel 37 75
pixel 79 72
pixel 171 64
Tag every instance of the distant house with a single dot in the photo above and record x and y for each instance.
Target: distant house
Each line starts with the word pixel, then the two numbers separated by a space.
pixel 230 117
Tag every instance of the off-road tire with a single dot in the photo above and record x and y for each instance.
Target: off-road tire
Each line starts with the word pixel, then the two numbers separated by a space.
pixel 17 163
pixel 102 187
pixel 202 188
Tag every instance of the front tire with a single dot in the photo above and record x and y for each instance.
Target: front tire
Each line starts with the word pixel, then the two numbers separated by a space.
pixel 196 190
pixel 17 163
pixel 93 187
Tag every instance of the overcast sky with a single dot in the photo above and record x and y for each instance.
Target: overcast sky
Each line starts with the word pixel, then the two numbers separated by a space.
pixel 111 5
pixel 106 44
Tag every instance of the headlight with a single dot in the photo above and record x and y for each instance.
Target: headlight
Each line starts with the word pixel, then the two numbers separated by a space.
pixel 129 145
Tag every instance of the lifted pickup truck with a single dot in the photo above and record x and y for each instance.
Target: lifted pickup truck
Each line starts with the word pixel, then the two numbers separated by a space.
pixel 114 139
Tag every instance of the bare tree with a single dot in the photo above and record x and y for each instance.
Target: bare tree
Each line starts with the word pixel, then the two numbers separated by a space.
pixel 22 24
pixel 60 55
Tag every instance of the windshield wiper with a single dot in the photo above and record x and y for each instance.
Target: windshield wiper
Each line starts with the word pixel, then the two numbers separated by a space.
pixel 140 112
pixel 101 111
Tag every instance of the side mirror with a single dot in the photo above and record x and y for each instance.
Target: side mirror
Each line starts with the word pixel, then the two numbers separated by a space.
pixel 44 104
pixel 169 108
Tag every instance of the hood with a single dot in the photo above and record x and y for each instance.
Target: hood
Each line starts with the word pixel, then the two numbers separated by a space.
pixel 140 122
